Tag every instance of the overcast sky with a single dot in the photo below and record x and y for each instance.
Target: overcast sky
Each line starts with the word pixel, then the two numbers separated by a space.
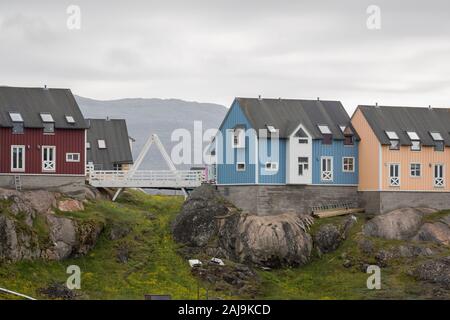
pixel 212 51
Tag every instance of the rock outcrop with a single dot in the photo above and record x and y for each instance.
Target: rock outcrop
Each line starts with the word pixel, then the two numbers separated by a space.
pixel 197 223
pixel 206 219
pixel 437 232
pixel 270 241
pixel 29 229
pixel 409 224
pixel 329 236
pixel 400 224
pixel 435 271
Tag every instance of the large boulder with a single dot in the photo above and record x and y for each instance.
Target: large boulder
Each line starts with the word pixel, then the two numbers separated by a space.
pixel 270 241
pixel 435 271
pixel 57 237
pixel 438 232
pixel 197 223
pixel 69 205
pixel 400 224
pixel 328 238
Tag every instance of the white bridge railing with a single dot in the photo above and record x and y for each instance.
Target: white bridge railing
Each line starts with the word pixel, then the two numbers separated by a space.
pixel 147 179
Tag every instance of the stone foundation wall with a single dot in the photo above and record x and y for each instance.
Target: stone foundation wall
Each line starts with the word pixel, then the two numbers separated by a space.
pixel 376 202
pixel 30 182
pixel 278 199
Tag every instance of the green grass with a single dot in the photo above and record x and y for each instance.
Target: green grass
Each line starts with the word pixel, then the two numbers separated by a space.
pixel 327 278
pixel 154 266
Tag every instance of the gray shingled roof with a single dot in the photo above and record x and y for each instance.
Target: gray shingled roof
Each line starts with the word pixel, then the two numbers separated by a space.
pixel 403 119
pixel 115 134
pixel 287 114
pixel 30 102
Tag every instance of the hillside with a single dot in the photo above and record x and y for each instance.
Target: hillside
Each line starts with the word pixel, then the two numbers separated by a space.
pixel 146 116
pixel 147 260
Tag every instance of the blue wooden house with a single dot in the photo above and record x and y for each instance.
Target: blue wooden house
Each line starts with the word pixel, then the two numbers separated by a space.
pixel 286 142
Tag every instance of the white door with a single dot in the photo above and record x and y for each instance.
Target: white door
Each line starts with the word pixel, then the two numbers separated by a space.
pixel 438 175
pixel 18 158
pixel 394 175
pixel 326 169
pixel 48 158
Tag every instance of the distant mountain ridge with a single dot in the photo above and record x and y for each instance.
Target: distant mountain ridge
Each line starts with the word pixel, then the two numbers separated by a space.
pixel 160 116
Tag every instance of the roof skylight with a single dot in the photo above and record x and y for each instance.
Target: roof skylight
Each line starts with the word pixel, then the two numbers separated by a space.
pixel 413 135
pixel 70 119
pixel 271 129
pixel 392 135
pixel 436 136
pixel 324 129
pixel 47 117
pixel 16 117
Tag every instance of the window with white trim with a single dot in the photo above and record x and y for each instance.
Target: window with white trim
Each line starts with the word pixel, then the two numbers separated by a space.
pixel 240 166
pixel 17 120
pixel 415 140
pixel 394 175
pixel 438 141
pixel 271 166
pixel 438 175
pixel 72 157
pixel 48 158
pixel 394 140
pixel 18 158
pixel 88 145
pixel 326 167
pixel 415 170
pixel 303 165
pixel 348 164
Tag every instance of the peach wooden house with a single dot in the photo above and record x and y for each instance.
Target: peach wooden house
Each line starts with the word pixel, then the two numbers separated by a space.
pixel 404 157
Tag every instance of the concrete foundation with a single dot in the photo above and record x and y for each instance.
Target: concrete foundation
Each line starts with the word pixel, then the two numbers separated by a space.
pixel 278 199
pixel 41 182
pixel 376 202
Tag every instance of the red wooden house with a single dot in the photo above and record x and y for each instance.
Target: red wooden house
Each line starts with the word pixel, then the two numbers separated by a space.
pixel 42 138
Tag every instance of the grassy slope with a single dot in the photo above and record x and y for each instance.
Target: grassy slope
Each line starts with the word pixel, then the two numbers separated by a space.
pixel 156 268
pixel 326 278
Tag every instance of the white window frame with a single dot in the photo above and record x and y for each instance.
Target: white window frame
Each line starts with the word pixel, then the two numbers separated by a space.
pixel 411 170
pixel 273 166
pixel 54 159
pixel 439 182
pixel 419 146
pixel 394 181
pixel 343 164
pixel 237 166
pixel 23 158
pixel 71 154
pixel 88 145
pixel 326 175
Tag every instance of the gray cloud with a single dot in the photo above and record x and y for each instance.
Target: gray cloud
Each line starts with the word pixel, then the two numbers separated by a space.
pixel 215 50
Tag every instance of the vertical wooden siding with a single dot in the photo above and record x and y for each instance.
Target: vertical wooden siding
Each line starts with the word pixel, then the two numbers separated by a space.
pixel 226 172
pixel 427 157
pixel 337 150
pixel 265 150
pixel 368 150
pixel 66 141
